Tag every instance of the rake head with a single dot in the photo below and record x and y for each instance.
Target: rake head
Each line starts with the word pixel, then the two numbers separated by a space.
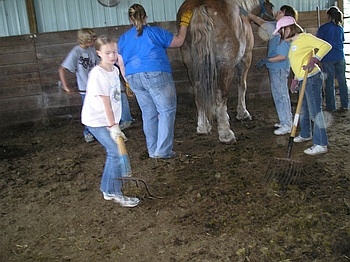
pixel 137 182
pixel 284 171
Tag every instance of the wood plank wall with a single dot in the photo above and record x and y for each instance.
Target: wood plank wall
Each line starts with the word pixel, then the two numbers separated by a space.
pixel 30 92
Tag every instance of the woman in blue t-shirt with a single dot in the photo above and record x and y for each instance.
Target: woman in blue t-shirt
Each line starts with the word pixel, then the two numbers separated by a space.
pixel 148 71
pixel 333 63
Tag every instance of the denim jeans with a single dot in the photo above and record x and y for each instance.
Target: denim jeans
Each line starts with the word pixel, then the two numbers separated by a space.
pixel 335 69
pixel 86 130
pixel 280 94
pixel 311 111
pixel 126 115
pixel 112 168
pixel 156 95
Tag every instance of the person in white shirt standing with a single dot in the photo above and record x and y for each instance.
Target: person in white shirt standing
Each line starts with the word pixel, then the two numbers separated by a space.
pixel 101 113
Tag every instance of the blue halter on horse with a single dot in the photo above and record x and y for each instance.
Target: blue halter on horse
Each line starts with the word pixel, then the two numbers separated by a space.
pixel 263 11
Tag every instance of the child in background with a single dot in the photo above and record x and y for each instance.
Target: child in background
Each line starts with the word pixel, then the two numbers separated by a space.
pixel 302 44
pixel 333 64
pixel 80 60
pixel 278 67
pixel 101 113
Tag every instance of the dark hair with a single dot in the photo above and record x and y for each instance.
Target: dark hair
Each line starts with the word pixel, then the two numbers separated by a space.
pixel 290 11
pixel 335 14
pixel 137 15
pixel 294 29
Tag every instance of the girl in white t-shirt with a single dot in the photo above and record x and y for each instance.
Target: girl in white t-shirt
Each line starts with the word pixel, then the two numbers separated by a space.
pixel 101 114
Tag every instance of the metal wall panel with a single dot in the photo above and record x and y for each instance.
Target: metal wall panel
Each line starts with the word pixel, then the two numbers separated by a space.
pixel 13 18
pixel 304 5
pixel 61 15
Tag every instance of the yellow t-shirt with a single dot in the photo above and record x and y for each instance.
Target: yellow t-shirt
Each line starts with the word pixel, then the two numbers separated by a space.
pixel 299 50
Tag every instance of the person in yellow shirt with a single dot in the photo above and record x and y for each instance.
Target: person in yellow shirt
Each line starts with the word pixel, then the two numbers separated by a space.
pixel 312 124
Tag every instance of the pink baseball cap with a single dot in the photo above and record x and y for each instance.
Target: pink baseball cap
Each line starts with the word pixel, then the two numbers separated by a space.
pixel 285 21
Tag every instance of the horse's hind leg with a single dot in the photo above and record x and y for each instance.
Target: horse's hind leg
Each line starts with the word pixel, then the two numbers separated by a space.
pixel 203 125
pixel 242 112
pixel 226 135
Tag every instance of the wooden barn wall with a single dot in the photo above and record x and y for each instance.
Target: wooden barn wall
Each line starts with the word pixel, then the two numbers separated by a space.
pixel 30 92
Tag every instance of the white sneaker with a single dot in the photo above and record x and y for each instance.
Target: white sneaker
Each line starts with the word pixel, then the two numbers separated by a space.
pixel 107 196
pixel 277 125
pixel 89 138
pixel 282 130
pixel 126 201
pixel 316 150
pixel 299 139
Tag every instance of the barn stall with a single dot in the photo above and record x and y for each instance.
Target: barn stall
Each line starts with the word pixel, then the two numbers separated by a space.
pixel 36 35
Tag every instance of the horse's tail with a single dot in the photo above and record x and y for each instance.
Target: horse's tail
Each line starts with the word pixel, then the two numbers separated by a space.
pixel 204 70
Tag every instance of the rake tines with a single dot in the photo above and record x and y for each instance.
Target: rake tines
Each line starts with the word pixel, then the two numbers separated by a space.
pixel 284 171
pixel 137 180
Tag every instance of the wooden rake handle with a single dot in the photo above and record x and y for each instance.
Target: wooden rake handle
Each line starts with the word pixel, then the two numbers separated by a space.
pixel 300 100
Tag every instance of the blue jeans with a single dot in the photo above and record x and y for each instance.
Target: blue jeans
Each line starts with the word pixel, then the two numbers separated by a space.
pixel 311 111
pixel 112 168
pixel 156 95
pixel 335 69
pixel 86 130
pixel 126 115
pixel 280 94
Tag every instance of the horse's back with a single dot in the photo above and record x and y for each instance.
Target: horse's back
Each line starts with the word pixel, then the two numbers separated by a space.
pixel 222 23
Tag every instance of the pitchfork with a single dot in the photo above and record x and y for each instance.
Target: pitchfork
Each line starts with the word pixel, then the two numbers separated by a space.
pixel 286 171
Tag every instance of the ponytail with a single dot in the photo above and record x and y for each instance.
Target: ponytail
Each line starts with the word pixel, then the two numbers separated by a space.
pixel 335 15
pixel 137 15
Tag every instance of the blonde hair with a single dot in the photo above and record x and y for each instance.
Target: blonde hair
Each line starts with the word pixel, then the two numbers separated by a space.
pixel 103 40
pixel 138 16
pixel 86 35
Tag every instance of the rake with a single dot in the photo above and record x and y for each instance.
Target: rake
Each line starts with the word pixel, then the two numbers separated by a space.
pixel 126 168
pixel 287 171
pixel 137 182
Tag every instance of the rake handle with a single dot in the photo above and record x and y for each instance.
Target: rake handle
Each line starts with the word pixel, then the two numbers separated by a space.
pixel 298 109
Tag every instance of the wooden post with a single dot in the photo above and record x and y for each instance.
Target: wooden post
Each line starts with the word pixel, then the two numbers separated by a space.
pixel 31 17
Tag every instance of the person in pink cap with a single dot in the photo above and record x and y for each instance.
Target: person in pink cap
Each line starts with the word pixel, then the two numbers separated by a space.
pixel 312 124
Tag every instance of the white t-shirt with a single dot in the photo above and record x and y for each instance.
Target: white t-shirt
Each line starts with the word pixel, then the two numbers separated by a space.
pixel 101 83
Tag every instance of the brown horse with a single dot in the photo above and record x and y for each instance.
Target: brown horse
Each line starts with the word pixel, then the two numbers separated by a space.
pixel 217 50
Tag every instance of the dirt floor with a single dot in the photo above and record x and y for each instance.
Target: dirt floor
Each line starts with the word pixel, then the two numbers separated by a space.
pixel 216 205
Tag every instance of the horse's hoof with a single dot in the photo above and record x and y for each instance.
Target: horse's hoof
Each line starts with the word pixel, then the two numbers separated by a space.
pixel 227 137
pixel 244 116
pixel 203 131
pixel 229 142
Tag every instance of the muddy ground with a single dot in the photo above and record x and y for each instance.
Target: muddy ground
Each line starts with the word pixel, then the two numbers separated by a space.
pixel 216 205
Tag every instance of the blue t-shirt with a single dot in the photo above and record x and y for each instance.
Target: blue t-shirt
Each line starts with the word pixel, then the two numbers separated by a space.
pixel 278 47
pixel 334 35
pixel 145 53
